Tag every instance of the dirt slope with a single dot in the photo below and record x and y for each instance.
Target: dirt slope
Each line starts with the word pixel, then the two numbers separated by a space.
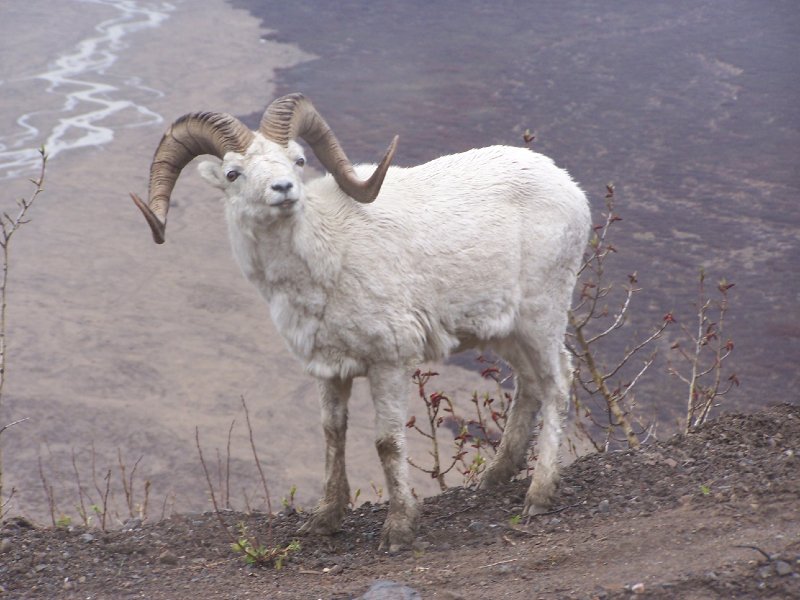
pixel 692 517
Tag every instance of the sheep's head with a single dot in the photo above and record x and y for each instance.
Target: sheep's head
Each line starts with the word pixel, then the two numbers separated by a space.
pixel 267 165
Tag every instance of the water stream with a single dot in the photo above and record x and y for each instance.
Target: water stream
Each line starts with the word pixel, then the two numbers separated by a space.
pixel 87 106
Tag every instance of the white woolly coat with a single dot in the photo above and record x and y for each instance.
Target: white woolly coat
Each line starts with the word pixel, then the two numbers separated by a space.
pixel 452 254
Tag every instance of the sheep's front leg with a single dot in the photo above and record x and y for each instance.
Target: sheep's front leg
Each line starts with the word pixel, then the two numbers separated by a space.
pixel 327 517
pixel 389 387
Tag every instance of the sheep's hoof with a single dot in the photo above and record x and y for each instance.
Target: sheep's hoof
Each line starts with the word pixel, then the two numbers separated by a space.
pixel 540 498
pixel 398 533
pixel 497 474
pixel 325 520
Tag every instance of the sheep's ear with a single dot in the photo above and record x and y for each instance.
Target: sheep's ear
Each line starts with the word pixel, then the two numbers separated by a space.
pixel 211 171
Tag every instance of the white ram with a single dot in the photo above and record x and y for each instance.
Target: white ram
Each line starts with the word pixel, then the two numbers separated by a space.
pixel 478 249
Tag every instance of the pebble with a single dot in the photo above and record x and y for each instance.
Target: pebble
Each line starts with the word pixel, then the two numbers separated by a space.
pixel 604 506
pixel 5 545
pixel 390 590
pixel 505 569
pixel 637 588
pixel 334 570
pixel 783 568
pixel 167 558
pixel 87 537
pixel 475 526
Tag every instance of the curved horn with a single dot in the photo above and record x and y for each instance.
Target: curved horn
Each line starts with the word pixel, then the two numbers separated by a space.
pixel 294 116
pixel 189 136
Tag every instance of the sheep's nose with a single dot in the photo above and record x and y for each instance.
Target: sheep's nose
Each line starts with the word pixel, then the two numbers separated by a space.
pixel 282 185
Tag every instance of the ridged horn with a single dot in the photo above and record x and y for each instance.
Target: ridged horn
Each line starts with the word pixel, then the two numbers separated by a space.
pixel 189 136
pixel 294 116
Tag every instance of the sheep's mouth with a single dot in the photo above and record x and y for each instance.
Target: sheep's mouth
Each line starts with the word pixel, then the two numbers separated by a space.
pixel 284 204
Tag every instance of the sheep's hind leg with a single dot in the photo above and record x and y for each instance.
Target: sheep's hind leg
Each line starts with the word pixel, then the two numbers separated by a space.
pixel 513 449
pixel 327 517
pixel 544 484
pixel 389 387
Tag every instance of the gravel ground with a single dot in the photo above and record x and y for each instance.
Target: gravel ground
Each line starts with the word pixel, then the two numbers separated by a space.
pixel 712 515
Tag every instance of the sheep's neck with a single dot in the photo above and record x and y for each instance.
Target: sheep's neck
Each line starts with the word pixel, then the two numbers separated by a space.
pixel 294 265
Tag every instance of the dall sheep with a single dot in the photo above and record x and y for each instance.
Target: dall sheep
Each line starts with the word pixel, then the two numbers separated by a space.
pixel 370 270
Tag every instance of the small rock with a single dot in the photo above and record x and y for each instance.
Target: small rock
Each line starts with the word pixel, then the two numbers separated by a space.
pixel 505 569
pixel 39 568
pixel 87 537
pixel 5 545
pixel 390 590
pixel 334 570
pixel 475 526
pixel 765 571
pixel 783 568
pixel 637 588
pixel 600 593
pixel 167 558
pixel 604 506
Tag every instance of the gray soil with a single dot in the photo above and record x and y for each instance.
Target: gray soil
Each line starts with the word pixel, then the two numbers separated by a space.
pixel 715 514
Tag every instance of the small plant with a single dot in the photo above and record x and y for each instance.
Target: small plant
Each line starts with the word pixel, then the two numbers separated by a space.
pixel 706 355
pixel 288 501
pixel 473 437
pixel 515 520
pixel 256 554
pixel 377 490
pixel 64 522
pixel 434 404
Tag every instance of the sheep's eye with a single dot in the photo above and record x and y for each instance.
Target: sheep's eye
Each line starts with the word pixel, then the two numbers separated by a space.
pixel 232 175
pixel 300 161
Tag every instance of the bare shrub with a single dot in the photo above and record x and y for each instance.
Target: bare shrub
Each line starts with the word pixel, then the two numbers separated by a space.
pixel 704 359
pixel 603 387
pixel 109 497
pixel 10 225
pixel 242 540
